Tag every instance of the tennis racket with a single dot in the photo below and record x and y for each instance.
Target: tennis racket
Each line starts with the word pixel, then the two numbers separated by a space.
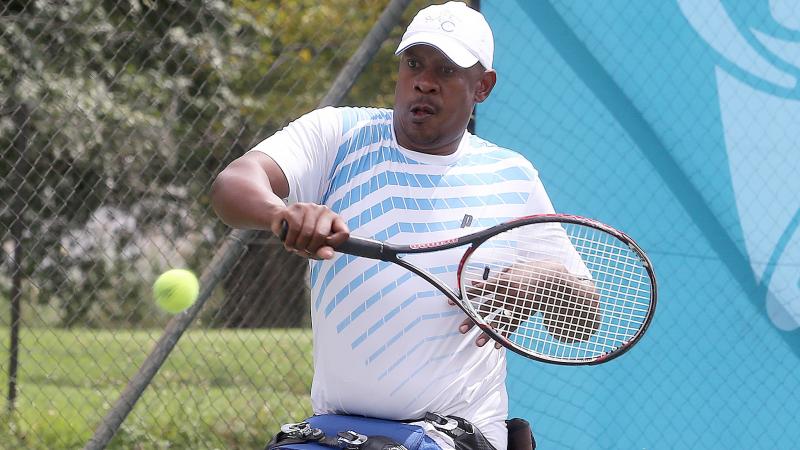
pixel 555 288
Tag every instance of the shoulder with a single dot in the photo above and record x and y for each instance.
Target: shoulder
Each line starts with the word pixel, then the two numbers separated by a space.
pixel 481 151
pixel 359 113
pixel 352 117
pixel 345 118
pixel 354 114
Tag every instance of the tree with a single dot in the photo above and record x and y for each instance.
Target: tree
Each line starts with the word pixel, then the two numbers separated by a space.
pixel 128 102
pixel 132 108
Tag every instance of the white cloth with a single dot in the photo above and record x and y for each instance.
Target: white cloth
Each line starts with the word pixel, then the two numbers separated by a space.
pixel 386 342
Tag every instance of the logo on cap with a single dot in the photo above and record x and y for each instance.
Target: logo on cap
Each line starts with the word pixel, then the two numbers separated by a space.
pixel 446 21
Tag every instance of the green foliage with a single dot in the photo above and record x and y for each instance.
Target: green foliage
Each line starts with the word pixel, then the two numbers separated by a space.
pixel 127 110
pixel 123 103
pixel 219 389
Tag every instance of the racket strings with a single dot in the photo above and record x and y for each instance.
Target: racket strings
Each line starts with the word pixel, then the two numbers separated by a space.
pixel 568 293
pixel 556 285
pixel 571 321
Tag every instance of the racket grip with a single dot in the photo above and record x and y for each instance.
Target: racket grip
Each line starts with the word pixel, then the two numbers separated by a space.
pixel 366 248
pixel 284 230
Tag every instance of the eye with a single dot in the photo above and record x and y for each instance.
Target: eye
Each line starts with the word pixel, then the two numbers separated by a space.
pixel 412 63
pixel 448 70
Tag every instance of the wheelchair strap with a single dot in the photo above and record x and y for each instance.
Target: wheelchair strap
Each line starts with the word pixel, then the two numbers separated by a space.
pixel 450 425
pixel 465 436
pixel 303 433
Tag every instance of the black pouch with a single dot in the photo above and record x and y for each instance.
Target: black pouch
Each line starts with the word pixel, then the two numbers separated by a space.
pixel 465 435
pixel 520 435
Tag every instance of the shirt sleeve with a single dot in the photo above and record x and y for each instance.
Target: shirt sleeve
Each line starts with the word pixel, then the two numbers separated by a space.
pixel 305 150
pixel 551 242
pixel 538 200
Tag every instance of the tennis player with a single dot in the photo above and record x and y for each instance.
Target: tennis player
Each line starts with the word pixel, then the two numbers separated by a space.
pixel 386 343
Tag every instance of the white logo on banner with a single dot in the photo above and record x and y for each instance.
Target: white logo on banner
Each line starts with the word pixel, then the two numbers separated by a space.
pixel 762 138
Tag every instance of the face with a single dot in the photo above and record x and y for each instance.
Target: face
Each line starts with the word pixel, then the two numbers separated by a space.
pixel 434 98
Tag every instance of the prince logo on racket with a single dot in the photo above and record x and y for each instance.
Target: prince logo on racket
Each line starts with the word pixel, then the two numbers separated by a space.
pixel 402 180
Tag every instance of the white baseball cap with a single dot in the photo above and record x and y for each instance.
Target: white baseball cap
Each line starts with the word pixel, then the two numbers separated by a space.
pixel 456 30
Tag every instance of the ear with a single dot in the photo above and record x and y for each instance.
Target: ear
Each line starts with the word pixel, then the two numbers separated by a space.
pixel 485 84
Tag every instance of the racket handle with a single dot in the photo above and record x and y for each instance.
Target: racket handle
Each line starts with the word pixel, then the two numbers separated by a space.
pixel 284 230
pixel 366 248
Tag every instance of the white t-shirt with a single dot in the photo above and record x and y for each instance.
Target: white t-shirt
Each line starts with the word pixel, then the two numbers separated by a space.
pixel 386 342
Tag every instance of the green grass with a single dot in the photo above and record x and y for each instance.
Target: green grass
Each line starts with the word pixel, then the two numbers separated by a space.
pixel 218 389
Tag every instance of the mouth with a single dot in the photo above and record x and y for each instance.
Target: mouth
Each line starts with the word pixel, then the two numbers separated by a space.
pixel 421 111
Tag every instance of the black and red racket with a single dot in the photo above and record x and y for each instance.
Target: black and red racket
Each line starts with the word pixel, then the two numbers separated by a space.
pixel 555 288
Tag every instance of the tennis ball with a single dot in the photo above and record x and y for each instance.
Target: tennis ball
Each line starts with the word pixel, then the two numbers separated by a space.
pixel 176 290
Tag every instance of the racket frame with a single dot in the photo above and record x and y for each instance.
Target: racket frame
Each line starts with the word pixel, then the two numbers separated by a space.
pixel 384 251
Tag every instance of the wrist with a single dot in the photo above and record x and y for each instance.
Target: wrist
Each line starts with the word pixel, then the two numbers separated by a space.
pixel 272 212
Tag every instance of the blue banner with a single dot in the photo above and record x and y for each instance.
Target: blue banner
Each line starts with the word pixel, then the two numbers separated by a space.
pixel 679 123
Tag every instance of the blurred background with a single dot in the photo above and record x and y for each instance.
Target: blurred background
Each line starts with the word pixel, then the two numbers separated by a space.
pixel 676 121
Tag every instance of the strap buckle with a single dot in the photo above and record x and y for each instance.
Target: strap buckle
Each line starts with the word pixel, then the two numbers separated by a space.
pixel 351 440
pixel 448 425
pixel 441 422
pixel 301 430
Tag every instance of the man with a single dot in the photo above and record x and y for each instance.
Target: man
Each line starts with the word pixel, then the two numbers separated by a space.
pixel 386 343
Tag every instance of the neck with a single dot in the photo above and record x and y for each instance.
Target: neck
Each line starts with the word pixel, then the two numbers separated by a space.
pixel 435 149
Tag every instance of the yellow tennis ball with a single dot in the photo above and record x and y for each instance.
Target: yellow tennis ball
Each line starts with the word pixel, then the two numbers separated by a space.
pixel 176 290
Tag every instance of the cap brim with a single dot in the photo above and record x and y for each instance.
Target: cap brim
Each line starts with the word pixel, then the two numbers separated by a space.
pixel 451 48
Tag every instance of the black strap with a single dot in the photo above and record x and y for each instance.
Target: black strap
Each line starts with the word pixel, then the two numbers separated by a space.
pixel 281 439
pixel 520 435
pixel 465 435
pixel 299 433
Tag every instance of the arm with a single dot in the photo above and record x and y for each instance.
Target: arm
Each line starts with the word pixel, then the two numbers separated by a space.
pixel 248 194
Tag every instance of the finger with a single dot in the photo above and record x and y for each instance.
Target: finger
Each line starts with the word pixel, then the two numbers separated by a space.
pixel 300 253
pixel 340 232
pixel 490 307
pixel 475 290
pixel 321 233
pixel 307 230
pixel 465 326
pixel 293 219
pixel 501 321
pixel 482 289
pixel 324 252
pixel 483 338
pixel 490 287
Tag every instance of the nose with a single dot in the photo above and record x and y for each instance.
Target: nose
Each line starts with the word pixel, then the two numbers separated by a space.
pixel 426 83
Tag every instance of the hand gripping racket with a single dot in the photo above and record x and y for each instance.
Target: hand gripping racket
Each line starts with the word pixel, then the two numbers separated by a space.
pixel 555 288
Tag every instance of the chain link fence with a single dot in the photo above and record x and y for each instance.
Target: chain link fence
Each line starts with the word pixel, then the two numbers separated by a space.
pixel 116 117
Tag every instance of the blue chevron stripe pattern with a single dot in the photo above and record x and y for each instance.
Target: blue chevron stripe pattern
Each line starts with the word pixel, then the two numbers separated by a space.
pixel 385 193
pixel 376 315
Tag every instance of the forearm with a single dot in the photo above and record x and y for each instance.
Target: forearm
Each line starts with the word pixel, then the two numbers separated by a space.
pixel 243 197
